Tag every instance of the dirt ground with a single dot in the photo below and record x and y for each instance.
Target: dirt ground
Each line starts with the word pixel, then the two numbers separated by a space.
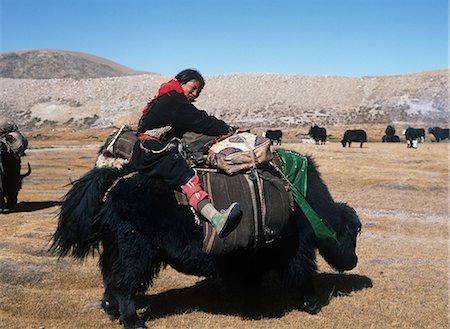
pixel 401 281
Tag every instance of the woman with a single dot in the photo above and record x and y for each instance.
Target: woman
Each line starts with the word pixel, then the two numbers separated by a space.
pixel 164 120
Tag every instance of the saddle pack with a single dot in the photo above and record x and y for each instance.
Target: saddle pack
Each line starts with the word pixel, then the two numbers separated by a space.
pixel 267 196
pixel 266 205
pixel 7 126
pixel 119 143
pixel 238 152
pixel 12 137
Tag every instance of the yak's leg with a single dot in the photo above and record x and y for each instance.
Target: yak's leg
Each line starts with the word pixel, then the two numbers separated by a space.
pixel 245 286
pixel 311 303
pixel 2 203
pixel 122 279
pixel 300 273
pixel 11 201
pixel 301 269
pixel 109 302
pixel 119 303
pixel 128 316
pixel 2 192
pixel 250 295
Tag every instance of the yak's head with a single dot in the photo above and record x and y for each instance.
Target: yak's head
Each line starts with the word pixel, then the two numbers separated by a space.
pixel 343 257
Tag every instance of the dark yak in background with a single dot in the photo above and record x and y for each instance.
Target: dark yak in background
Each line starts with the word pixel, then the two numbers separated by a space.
pixel 10 176
pixel 439 133
pixel 319 134
pixel 140 228
pixel 412 135
pixel 274 135
pixel 357 135
pixel 390 136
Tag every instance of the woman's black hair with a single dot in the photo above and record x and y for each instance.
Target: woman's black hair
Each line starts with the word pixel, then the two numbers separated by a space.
pixel 188 75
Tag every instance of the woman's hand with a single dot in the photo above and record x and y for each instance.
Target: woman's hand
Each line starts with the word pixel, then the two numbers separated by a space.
pixel 232 129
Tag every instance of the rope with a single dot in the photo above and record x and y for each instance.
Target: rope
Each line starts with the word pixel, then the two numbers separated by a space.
pixel 116 182
pixel 110 147
pixel 251 150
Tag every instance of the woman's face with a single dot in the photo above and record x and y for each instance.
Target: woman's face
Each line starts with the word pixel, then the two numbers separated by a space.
pixel 191 89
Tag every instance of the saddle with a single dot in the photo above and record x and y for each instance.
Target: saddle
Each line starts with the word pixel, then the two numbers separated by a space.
pixel 265 202
pixel 119 143
pixel 10 135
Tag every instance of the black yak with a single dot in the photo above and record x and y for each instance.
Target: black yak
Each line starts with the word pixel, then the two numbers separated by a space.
pixel 357 135
pixel 319 134
pixel 274 136
pixel 412 135
pixel 439 133
pixel 390 136
pixel 10 176
pixel 138 226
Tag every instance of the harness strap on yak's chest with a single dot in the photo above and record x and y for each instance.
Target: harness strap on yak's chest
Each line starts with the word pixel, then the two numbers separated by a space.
pixel 295 168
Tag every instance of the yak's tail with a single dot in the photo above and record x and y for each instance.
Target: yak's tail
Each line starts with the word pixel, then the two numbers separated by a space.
pixel 76 234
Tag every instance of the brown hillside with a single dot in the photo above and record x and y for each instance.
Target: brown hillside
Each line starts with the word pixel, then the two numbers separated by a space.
pixel 58 64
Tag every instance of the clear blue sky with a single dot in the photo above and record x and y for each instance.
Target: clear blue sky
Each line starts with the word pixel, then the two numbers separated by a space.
pixel 308 37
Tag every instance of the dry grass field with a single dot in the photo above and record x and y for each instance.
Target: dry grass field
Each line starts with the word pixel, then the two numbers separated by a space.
pixel 401 281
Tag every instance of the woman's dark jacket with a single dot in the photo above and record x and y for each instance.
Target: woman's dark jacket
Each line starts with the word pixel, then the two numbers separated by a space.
pixel 167 117
pixel 173 109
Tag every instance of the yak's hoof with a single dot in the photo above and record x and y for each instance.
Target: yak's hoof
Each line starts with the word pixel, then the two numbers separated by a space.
pixel 140 324
pixel 311 304
pixel 111 310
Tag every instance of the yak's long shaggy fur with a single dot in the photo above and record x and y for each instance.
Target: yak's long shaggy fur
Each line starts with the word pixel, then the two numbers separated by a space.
pixel 141 228
pixel 76 230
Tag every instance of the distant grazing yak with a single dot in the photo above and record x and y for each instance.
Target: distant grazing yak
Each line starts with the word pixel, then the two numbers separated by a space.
pixel 357 135
pixel 319 134
pixel 439 133
pixel 274 136
pixel 390 136
pixel 412 135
